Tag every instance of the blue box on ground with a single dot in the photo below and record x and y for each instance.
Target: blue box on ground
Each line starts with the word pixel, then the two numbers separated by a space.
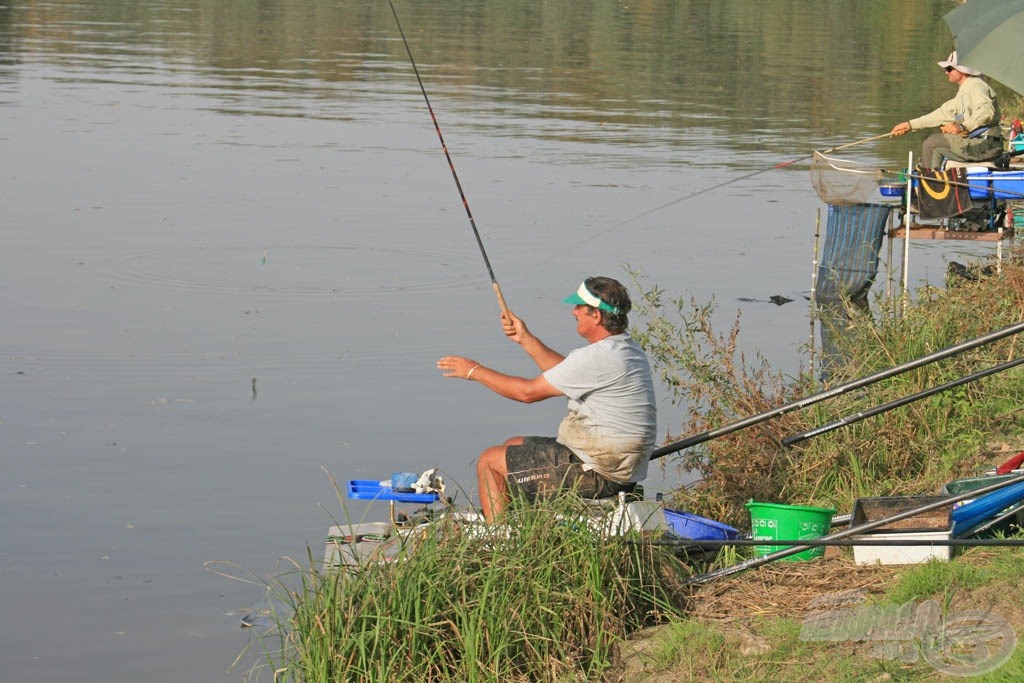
pixel 374 490
pixel 698 528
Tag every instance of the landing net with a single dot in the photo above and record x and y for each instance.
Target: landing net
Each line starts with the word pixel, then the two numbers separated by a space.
pixel 838 181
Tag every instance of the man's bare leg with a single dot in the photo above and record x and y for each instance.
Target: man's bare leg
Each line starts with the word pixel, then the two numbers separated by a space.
pixel 492 479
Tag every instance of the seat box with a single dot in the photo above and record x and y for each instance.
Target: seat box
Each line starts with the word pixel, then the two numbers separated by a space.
pixel 984 183
pixel 979 182
pixel 1008 184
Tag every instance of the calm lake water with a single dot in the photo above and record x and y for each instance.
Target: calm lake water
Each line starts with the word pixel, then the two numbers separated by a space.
pixel 233 251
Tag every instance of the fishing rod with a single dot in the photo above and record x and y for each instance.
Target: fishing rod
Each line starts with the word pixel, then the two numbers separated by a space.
pixel 835 149
pixel 837 391
pixel 825 542
pixel 885 407
pixel 736 180
pixel 846 533
pixel 451 165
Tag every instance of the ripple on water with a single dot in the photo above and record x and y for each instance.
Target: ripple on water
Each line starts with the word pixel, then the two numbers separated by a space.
pixel 295 271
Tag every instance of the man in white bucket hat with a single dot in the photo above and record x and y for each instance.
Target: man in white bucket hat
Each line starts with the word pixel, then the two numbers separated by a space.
pixel 606 440
pixel 968 123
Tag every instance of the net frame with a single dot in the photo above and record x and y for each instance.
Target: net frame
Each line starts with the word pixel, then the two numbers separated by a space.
pixel 840 181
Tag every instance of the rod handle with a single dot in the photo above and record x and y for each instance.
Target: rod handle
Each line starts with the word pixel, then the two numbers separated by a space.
pixel 501 299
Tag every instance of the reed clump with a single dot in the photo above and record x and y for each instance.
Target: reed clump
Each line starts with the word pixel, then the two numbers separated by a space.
pixel 539 598
pixel 913 449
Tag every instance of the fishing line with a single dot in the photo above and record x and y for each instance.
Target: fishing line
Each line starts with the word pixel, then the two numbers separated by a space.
pixel 451 165
pixel 724 184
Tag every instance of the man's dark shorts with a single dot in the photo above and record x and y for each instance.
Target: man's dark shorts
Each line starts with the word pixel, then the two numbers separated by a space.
pixel 541 467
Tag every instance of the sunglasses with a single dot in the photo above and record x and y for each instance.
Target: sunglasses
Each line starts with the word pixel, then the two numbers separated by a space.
pixel 948 69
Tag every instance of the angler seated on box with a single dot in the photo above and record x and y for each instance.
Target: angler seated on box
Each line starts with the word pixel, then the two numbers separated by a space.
pixel 968 124
pixel 606 440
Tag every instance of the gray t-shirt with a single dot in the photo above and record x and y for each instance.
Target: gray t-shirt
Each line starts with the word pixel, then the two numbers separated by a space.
pixel 612 420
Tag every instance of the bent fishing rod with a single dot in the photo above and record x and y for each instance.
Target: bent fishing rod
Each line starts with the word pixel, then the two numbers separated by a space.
pixel 451 165
pixel 886 407
pixel 836 391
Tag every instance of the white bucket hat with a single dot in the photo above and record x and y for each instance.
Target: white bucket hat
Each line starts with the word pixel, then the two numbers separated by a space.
pixel 950 62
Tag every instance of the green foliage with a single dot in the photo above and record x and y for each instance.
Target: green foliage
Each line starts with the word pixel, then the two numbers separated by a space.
pixel 693 648
pixel 912 449
pixel 696 651
pixel 527 600
pixel 934 580
pixel 708 373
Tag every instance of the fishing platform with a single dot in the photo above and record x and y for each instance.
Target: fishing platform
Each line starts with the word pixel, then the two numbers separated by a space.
pixel 995 205
pixel 976 202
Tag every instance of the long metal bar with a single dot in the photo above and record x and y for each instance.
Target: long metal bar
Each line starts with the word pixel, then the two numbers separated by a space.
pixel 813 312
pixel 885 407
pixel 904 276
pixel 846 533
pixel 826 542
pixel 837 391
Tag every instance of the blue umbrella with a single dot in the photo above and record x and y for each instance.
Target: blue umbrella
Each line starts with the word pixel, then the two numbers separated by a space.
pixel 989 36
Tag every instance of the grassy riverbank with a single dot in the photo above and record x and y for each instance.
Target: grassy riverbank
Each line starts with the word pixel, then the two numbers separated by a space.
pixel 752 627
pixel 546 600
pixel 882 623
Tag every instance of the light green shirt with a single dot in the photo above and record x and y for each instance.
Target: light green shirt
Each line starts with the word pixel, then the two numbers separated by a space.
pixel 974 100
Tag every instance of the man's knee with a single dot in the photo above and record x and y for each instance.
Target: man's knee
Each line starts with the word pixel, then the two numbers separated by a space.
pixel 492 461
pixel 934 149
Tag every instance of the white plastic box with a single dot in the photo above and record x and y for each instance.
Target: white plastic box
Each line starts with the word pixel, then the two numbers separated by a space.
pixel 636 516
pixel 902 554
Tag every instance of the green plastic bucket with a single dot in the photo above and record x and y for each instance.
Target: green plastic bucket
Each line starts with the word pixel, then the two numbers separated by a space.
pixel 773 521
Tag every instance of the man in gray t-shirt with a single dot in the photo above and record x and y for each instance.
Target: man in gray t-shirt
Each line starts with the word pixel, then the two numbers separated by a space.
pixel 605 442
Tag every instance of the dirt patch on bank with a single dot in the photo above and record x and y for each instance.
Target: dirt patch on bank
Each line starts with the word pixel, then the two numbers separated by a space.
pixel 744 608
pixel 787 589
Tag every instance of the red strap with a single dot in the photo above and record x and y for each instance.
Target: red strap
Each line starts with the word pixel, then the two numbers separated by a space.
pixel 1011 464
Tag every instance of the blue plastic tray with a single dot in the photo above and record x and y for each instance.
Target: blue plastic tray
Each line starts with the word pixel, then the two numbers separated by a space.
pixel 698 528
pixel 372 490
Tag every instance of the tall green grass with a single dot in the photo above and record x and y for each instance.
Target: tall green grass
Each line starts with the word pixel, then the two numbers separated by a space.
pixel 541 598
